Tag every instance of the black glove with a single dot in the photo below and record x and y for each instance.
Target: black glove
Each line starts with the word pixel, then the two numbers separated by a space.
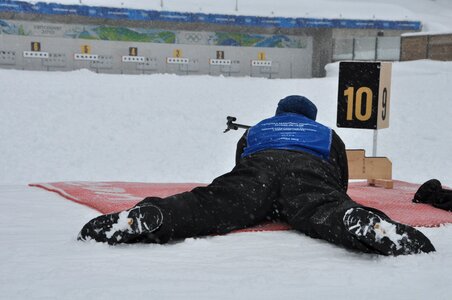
pixel 431 192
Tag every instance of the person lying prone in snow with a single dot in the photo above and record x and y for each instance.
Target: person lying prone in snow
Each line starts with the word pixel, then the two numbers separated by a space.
pixel 289 168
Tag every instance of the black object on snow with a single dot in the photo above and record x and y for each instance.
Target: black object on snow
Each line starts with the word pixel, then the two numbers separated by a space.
pixel 431 192
pixel 384 235
pixel 130 226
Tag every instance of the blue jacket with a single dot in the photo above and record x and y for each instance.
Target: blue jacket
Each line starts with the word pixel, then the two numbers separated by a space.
pixel 289 131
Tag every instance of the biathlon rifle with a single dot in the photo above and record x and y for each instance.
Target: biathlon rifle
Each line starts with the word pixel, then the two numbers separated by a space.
pixel 231 125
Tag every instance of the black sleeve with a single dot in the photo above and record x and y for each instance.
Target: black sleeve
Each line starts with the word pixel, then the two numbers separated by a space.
pixel 241 144
pixel 338 157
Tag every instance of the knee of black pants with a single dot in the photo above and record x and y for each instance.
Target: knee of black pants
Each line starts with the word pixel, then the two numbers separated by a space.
pixel 177 222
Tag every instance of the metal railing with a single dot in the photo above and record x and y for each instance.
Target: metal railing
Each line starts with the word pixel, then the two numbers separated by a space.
pixel 366 48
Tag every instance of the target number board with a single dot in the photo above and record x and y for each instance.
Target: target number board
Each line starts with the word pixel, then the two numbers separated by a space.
pixel 364 95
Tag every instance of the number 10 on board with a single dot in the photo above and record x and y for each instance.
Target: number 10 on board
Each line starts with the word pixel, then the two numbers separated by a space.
pixel 364 94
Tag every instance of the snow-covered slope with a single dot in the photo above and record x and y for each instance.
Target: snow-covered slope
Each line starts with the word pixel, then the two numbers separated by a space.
pixel 167 128
pixel 436 15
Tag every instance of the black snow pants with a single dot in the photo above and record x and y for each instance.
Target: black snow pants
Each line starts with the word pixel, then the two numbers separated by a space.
pixel 298 188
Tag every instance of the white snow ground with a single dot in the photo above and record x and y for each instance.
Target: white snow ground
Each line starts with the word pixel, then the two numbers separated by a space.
pixel 167 128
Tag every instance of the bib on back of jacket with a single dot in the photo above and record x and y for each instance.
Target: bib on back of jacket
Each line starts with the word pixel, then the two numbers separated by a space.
pixel 289 131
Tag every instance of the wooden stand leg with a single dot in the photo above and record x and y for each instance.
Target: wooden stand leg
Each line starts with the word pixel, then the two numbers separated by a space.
pixel 377 170
pixel 386 183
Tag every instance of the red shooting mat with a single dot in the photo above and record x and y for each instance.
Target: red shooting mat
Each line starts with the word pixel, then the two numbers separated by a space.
pixel 108 197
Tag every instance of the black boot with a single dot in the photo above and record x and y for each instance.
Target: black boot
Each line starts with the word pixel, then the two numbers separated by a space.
pixel 385 236
pixel 123 227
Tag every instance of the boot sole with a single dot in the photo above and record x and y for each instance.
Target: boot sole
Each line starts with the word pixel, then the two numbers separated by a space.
pixel 123 227
pixel 385 236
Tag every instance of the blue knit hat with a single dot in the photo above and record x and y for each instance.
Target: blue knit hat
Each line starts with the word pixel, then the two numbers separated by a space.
pixel 299 105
